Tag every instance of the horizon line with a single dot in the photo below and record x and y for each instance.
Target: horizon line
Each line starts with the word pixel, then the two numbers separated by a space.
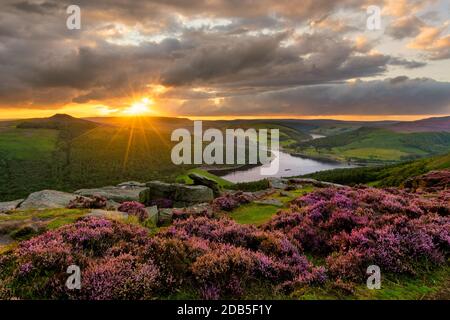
pixel 354 117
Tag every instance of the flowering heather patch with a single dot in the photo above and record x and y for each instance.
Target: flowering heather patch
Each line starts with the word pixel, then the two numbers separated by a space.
pixel 231 201
pixel 215 258
pixel 431 181
pixel 229 253
pixel 348 229
pixel 134 208
pixel 95 202
pixel 354 228
pixel 37 268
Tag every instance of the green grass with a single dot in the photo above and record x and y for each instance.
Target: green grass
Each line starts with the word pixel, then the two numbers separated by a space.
pixel 377 145
pixel 253 213
pixel 27 144
pixel 257 214
pixel 426 285
pixel 37 159
pixel 48 215
pixel 373 154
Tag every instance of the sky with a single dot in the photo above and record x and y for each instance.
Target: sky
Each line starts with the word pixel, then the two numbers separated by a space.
pixel 226 58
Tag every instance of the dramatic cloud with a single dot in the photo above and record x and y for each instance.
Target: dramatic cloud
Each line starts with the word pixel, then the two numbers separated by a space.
pixel 405 27
pixel 391 96
pixel 210 57
pixel 433 41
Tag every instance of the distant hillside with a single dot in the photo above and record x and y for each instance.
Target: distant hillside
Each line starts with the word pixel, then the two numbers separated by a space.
pixel 377 145
pixel 438 124
pixel 157 123
pixel 71 127
pixel 384 176
pixel 288 135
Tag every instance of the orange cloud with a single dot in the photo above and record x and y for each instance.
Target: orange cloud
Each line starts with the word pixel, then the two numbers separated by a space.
pixel 430 39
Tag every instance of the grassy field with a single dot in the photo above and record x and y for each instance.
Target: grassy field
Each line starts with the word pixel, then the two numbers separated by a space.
pixel 377 145
pixel 257 214
pixel 431 284
pixel 65 153
pixel 36 159
pixel 109 155
pixel 254 213
pixel 27 144
pixel 26 161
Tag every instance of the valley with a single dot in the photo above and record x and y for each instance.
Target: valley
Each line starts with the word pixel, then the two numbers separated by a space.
pixel 66 153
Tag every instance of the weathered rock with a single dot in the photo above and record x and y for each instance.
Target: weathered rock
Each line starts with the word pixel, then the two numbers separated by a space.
pixel 131 184
pixel 199 210
pixel 111 205
pixel 270 202
pixel 293 186
pixel 205 181
pixel 261 193
pixel 286 194
pixel 164 217
pixel 5 240
pixel 156 190
pixel 47 199
pixel 9 205
pixel 28 230
pixel 277 183
pixel 118 194
pixel 152 214
pixel 181 195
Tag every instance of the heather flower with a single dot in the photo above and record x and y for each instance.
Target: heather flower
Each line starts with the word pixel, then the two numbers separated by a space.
pixel 134 208
pixel 95 202
pixel 162 203
pixel 353 228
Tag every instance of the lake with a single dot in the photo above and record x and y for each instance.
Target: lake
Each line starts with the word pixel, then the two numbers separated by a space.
pixel 289 166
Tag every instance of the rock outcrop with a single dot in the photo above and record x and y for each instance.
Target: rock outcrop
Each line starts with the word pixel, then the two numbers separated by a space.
pixel 205 181
pixel 431 181
pixel 114 193
pixel 47 199
pixel 181 195
pixel 10 205
pixel 131 184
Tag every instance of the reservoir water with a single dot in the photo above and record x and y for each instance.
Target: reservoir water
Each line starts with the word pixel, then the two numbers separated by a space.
pixel 289 166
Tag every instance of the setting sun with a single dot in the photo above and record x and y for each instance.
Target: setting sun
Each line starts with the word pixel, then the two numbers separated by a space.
pixel 139 108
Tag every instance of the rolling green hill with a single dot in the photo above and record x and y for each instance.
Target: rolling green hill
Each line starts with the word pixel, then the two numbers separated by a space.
pixel 68 126
pixel 377 145
pixel 65 153
pixel 78 153
pixel 26 160
pixel 288 135
pixel 384 176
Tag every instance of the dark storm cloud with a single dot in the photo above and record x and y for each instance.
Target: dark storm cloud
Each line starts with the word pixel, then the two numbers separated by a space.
pixel 263 62
pixel 391 96
pixel 409 64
